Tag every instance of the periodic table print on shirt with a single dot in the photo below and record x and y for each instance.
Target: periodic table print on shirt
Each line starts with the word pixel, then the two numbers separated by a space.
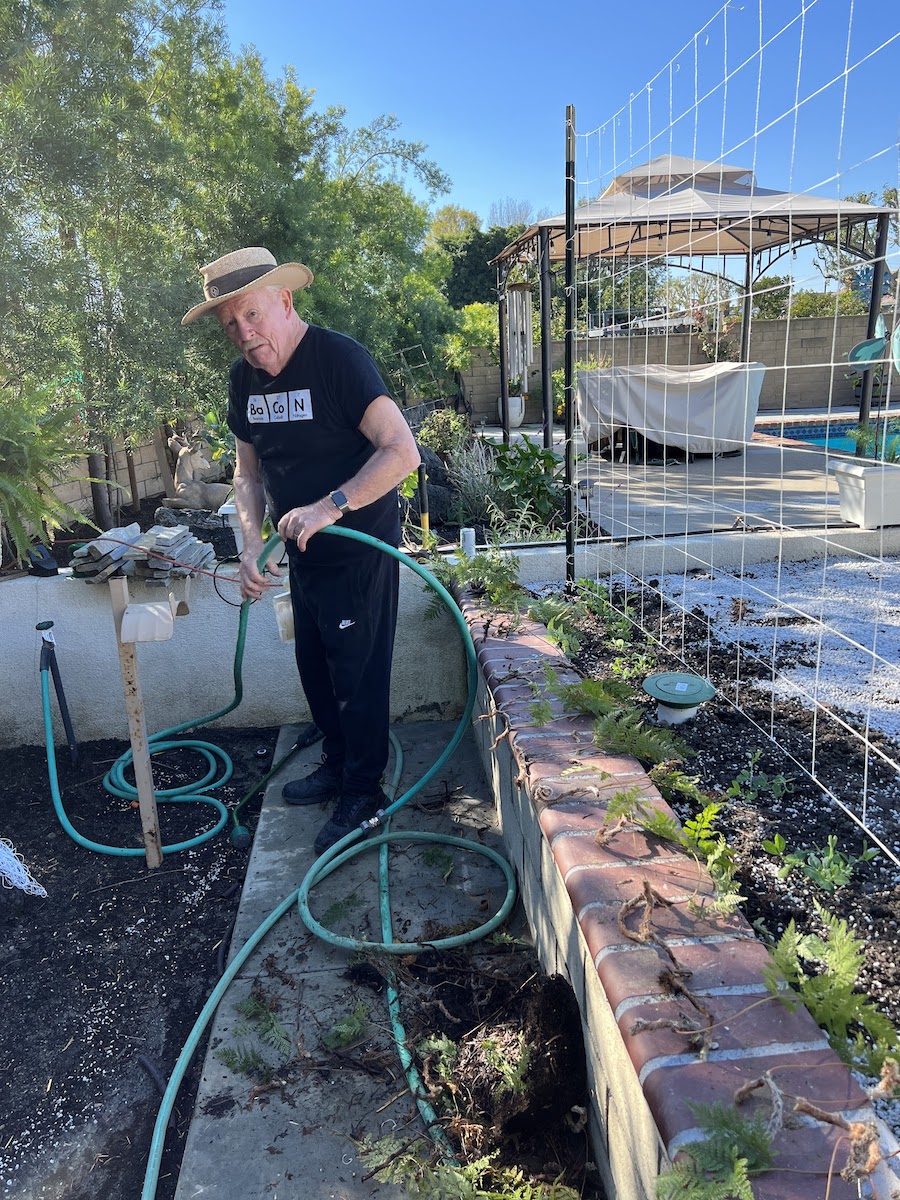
pixel 280 406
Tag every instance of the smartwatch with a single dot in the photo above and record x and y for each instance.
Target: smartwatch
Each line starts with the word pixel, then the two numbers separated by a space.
pixel 339 500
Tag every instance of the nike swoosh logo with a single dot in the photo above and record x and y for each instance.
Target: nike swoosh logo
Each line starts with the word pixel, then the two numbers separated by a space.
pixel 346 624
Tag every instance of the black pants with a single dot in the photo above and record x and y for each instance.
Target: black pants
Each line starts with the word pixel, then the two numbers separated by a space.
pixel 344 622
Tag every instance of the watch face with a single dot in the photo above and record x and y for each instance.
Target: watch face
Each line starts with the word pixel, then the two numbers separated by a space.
pixel 340 501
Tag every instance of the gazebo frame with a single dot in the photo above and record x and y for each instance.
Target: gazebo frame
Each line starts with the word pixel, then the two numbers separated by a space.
pixel 660 212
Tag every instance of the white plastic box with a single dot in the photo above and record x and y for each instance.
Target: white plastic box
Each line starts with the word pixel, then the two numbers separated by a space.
pixel 229 512
pixel 869 493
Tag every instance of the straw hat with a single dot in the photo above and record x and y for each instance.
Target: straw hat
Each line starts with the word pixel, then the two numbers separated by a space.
pixel 242 271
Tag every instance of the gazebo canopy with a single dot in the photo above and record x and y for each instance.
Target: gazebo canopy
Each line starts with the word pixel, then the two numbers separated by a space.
pixel 682 207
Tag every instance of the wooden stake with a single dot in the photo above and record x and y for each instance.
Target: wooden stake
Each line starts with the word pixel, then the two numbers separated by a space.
pixel 137 730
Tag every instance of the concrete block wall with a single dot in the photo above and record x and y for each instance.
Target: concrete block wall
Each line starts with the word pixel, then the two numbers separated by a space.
pixel 77 491
pixel 574 889
pixel 806 363
pixel 191 674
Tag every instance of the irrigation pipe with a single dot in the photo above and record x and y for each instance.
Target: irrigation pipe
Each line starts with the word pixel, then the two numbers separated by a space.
pixel 335 857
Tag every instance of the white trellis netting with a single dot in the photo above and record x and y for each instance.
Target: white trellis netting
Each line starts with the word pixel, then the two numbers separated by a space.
pixel 14 873
pixel 775 106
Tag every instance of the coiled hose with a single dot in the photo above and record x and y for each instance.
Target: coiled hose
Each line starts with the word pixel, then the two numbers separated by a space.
pixel 340 853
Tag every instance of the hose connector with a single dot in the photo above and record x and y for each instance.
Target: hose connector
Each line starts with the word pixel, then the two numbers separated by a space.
pixel 373 822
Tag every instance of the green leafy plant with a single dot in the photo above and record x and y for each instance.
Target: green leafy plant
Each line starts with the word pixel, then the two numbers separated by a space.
pixel 751 785
pixel 883 445
pixel 675 785
pixel 492 573
pixel 626 733
pixel 470 468
pixel 36 453
pixel 522 526
pixel 341 908
pixel 541 712
pixel 561 620
pixel 593 697
pixel 347 1030
pixel 261 1013
pixel 857 1031
pixel 398 1162
pixel 444 431
pixel 527 475
pixel 633 664
pixel 510 1064
pixel 245 1060
pixel 437 856
pixel 719 1166
pixel 596 599
pixel 829 868
pixel 220 440
pixel 697 837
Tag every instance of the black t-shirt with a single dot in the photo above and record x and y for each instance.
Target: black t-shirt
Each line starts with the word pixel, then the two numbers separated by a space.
pixel 304 426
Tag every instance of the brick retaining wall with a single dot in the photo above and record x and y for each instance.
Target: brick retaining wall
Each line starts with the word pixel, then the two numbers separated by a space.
pixel 573 889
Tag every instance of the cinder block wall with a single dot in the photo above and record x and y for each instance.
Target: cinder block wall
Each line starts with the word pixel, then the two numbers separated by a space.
pixel 77 491
pixel 806 363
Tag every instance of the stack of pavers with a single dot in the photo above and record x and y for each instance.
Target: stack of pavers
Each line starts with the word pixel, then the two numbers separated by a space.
pixel 155 557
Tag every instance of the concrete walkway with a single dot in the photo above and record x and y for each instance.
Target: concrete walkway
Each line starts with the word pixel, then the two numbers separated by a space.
pixel 774 483
pixel 299 1136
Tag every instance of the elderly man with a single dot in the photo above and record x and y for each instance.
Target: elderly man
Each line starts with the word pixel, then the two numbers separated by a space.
pixel 318 440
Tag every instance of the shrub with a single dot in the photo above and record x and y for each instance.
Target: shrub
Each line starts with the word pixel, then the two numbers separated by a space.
pixel 35 453
pixel 444 432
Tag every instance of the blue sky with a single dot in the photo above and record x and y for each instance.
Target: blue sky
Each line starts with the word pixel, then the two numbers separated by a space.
pixel 485 85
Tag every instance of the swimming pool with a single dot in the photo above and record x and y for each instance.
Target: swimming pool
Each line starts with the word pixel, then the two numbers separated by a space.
pixel 831 435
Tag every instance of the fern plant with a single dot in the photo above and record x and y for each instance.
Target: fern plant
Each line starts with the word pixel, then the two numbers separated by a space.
pixel 719 1166
pixel 492 573
pixel 394 1161
pixel 261 1012
pixel 561 620
pixel 36 451
pixel 857 1031
pixel 625 733
pixel 347 1030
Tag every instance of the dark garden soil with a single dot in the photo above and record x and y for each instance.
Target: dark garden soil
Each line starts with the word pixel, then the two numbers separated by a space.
pixel 722 739
pixel 102 981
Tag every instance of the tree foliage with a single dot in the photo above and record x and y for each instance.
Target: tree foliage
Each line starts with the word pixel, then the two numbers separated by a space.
pixel 771 295
pixel 833 261
pixel 471 280
pixel 136 146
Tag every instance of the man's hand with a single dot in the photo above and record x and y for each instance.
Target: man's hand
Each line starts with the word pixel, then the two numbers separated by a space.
pixel 299 524
pixel 253 583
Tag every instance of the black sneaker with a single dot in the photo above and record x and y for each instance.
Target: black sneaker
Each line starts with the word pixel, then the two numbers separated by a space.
pixel 324 783
pixel 350 813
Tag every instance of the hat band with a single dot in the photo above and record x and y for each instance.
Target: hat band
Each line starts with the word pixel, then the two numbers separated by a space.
pixel 234 280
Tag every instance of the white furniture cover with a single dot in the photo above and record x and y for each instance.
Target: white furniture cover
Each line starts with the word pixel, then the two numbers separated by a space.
pixel 706 409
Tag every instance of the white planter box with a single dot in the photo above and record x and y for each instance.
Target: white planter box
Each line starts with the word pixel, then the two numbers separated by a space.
pixel 869 493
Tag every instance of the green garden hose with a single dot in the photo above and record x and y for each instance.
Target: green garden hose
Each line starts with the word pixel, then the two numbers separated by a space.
pixel 190 793
pixel 336 856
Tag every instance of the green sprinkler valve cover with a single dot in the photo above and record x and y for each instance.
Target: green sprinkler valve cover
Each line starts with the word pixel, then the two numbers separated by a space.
pixel 678 689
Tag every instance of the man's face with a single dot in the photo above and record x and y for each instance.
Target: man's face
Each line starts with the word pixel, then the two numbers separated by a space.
pixel 259 324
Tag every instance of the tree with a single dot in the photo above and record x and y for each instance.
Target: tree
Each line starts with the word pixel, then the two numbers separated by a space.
pixel 832 260
pixel 471 280
pixel 771 295
pixel 451 221
pixel 511 212
pixel 827 304
pixel 138 148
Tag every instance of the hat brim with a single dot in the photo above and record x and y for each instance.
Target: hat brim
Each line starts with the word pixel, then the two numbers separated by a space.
pixel 290 275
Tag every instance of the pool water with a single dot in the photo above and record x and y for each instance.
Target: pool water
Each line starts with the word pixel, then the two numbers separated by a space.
pixel 831 436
